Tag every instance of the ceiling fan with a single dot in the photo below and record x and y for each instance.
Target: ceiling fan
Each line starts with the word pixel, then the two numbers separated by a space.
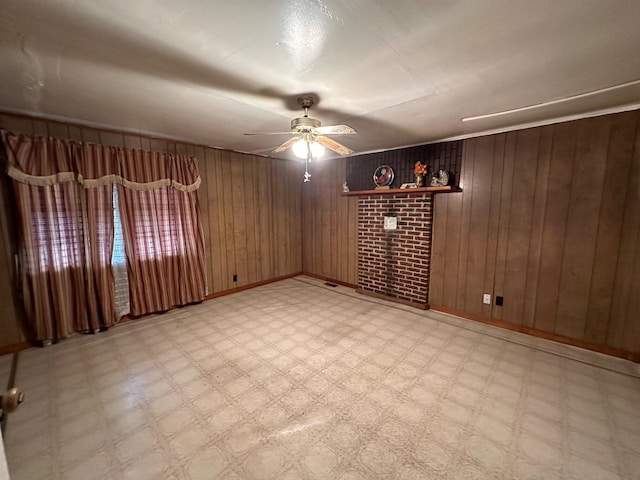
pixel 308 136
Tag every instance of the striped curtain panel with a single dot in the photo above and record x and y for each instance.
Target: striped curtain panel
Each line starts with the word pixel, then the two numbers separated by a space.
pixel 65 234
pixel 65 198
pixel 162 231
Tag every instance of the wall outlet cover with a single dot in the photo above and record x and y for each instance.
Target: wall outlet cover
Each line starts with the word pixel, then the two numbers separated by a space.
pixel 390 223
pixel 486 299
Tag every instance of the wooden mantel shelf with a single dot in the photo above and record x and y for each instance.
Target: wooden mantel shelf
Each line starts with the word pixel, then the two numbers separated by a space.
pixel 447 189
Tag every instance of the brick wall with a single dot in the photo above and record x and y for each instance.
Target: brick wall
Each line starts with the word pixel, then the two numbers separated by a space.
pixel 395 263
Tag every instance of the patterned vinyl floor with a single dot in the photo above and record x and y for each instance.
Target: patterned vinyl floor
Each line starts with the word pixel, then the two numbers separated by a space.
pixel 296 379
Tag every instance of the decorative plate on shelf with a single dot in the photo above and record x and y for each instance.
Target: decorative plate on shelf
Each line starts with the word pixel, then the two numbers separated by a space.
pixel 383 176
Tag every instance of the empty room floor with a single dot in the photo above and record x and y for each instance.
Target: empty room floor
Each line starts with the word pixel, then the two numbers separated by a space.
pixel 297 379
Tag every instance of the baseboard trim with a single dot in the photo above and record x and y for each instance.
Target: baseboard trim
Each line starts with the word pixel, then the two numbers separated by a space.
pixel 16 347
pixel 250 285
pixel 615 352
pixel 418 305
pixel 329 279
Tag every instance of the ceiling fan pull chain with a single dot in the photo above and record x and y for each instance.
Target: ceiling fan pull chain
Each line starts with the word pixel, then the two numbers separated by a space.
pixel 307 175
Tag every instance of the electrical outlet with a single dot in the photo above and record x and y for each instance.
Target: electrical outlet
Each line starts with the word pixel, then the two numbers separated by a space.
pixel 486 299
pixel 235 278
pixel 390 223
pixel 499 301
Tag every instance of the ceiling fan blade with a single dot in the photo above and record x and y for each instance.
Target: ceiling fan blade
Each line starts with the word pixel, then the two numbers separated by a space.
pixel 333 145
pixel 336 130
pixel 270 133
pixel 285 145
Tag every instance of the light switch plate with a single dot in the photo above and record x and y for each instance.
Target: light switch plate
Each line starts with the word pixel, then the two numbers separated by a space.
pixel 390 223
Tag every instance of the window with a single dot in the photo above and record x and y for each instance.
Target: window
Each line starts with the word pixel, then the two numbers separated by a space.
pixel 57 230
pixel 119 262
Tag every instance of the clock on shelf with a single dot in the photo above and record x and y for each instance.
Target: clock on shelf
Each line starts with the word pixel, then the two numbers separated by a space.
pixel 383 176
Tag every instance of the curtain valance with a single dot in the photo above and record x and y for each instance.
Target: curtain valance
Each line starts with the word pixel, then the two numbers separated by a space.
pixel 42 161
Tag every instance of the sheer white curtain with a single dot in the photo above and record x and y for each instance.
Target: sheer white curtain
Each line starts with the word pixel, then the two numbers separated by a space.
pixel 119 263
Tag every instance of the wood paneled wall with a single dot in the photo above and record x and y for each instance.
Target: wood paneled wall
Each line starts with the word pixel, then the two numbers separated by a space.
pixel 549 218
pixel 330 222
pixel 253 218
pixel 250 205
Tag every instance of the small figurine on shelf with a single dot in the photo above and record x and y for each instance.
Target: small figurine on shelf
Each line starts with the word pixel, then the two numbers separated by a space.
pixel 419 170
pixel 441 179
pixel 345 187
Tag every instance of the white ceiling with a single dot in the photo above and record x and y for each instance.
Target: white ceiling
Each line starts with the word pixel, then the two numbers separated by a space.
pixel 400 72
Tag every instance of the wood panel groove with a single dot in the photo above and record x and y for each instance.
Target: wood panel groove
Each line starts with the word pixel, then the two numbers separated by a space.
pixel 439 240
pixel 491 251
pixel 599 228
pixel 539 208
pixel 565 220
pixel 545 213
pixel 531 271
pixel 598 297
pixel 463 293
pixel 625 330
pixel 463 239
pixel 503 214
pixel 478 228
pixel 453 222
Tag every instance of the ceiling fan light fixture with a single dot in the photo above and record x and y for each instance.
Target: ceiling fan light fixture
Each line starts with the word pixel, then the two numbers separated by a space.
pixel 300 149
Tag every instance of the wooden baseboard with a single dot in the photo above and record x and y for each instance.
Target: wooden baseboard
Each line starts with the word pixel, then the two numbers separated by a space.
pixel 329 279
pixel 615 352
pixel 421 306
pixel 250 285
pixel 16 347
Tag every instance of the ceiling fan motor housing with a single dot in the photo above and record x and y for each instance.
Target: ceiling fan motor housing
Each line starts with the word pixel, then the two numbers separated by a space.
pixel 305 102
pixel 303 124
